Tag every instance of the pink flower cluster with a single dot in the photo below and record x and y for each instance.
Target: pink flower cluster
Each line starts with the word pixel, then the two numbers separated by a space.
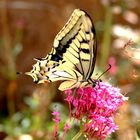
pixel 96 108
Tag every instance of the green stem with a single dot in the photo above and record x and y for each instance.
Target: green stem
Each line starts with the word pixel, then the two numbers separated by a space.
pixel 106 37
pixel 77 136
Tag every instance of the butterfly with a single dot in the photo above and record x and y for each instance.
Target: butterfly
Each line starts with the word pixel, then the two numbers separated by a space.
pixel 73 55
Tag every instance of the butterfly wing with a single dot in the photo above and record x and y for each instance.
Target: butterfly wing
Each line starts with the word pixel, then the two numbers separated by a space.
pixel 73 54
pixel 76 44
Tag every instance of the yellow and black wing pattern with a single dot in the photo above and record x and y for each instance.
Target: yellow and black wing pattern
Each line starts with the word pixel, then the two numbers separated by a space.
pixel 73 55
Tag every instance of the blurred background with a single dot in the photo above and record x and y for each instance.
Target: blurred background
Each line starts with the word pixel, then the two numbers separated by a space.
pixel 27 31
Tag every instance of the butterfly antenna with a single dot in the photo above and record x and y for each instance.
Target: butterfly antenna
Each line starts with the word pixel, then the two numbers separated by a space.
pixel 105 71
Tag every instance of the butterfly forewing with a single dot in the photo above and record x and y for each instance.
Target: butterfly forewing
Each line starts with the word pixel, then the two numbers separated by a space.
pixel 76 41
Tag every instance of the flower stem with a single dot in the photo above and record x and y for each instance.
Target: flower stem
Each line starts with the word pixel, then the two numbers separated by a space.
pixel 77 136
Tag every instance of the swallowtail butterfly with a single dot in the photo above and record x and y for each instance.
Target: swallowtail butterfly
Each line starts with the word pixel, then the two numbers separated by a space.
pixel 73 55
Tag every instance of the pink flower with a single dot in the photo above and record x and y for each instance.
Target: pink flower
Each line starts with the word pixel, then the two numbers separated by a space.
pixel 20 23
pixel 56 119
pixel 66 128
pixel 114 67
pixel 96 108
pixel 57 116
